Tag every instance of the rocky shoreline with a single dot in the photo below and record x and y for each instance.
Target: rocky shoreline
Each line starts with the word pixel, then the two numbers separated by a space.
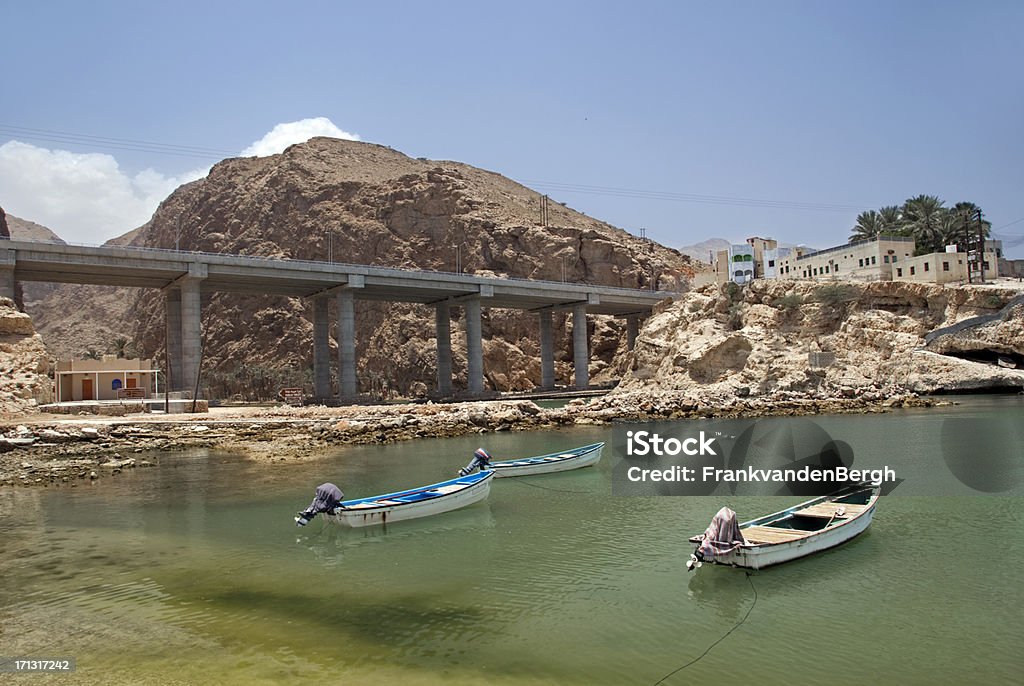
pixel 57 452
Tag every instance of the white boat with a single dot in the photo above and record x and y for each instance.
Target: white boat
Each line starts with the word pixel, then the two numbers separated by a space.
pixel 584 456
pixel 418 502
pixel 795 532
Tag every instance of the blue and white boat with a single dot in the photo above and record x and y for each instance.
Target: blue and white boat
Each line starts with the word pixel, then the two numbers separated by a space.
pixel 418 502
pixel 575 458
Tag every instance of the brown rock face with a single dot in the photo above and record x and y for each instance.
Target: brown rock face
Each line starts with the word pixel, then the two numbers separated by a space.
pixel 715 344
pixel 360 203
pixel 5 232
pixel 23 362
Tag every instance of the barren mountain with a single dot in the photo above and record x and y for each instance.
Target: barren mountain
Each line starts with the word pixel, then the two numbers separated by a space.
pixel 360 203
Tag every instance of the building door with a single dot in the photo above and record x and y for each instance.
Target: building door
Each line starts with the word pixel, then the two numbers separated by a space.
pixel 130 383
pixel 87 390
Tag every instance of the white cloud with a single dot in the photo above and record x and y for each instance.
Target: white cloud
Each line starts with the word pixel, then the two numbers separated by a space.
pixel 84 198
pixel 283 135
pixel 88 198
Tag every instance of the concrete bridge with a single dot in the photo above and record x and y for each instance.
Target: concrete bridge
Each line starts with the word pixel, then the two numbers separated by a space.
pixel 184 276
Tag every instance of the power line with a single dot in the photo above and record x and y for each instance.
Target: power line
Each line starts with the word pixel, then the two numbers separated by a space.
pixel 688 197
pixel 113 143
pixel 135 145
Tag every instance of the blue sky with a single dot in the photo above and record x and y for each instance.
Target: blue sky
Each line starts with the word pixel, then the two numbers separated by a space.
pixel 814 110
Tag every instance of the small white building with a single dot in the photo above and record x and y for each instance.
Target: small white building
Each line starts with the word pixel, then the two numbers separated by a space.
pixel 109 378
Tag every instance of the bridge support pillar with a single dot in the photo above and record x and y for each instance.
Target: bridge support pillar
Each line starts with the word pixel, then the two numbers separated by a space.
pixel 172 320
pixel 474 347
pixel 7 274
pixel 443 334
pixel 321 350
pixel 348 384
pixel 632 330
pixel 580 345
pixel 547 351
pixel 191 333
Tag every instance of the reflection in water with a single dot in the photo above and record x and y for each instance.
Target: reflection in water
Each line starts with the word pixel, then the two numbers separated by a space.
pixel 329 542
pixel 720 591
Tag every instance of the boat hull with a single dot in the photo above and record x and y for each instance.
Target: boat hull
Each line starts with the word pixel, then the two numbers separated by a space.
pixel 370 516
pixel 543 465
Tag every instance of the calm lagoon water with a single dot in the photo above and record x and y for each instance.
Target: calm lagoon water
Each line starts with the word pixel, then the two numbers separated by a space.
pixel 195 573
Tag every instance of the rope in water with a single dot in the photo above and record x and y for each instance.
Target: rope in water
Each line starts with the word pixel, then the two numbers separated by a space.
pixel 521 480
pixel 723 637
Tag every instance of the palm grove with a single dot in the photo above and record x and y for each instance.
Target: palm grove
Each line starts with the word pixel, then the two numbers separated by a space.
pixel 927 220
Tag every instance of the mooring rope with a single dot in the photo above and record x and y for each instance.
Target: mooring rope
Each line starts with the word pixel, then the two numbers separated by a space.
pixel 521 480
pixel 722 638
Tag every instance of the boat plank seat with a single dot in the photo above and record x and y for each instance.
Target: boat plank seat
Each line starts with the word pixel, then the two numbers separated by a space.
pixel 826 510
pixel 771 534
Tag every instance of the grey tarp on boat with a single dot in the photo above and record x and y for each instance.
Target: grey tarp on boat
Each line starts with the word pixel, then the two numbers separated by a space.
pixel 328 497
pixel 722 536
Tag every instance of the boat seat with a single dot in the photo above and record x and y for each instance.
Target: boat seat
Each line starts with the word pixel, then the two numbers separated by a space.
pixel 448 489
pixel 826 510
pixel 771 534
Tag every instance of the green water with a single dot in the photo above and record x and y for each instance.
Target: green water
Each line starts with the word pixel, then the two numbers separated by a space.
pixel 195 573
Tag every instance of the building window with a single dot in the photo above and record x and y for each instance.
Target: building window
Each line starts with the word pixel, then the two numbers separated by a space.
pixel 913 270
pixel 894 259
pixel 826 269
pixel 860 262
pixel 771 263
pixel 885 259
pixel 835 267
pixel 984 265
pixel 899 271
pixel 945 266
pixel 115 385
pixel 873 260
pixel 926 267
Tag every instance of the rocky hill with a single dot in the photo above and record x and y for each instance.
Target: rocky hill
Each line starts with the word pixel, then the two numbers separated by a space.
pixel 360 203
pixel 777 340
pixel 23 362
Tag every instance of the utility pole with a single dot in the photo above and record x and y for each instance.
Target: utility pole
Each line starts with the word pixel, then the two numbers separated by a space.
pixel 544 211
pixel 458 259
pixel 177 235
pixel 981 244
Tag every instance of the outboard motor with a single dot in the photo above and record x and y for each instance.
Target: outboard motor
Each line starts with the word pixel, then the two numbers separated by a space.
pixel 328 499
pixel 481 459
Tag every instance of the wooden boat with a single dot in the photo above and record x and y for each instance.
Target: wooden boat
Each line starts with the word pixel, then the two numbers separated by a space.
pixel 798 531
pixel 419 502
pixel 584 456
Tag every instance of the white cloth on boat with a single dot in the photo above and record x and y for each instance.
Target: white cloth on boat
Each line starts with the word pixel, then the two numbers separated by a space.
pixel 722 536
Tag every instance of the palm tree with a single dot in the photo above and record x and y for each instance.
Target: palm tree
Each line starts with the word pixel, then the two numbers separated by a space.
pixel 923 219
pixel 121 347
pixel 963 224
pixel 868 226
pixel 891 218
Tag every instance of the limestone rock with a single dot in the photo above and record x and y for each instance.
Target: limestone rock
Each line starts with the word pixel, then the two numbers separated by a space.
pixel 24 362
pixel 716 344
